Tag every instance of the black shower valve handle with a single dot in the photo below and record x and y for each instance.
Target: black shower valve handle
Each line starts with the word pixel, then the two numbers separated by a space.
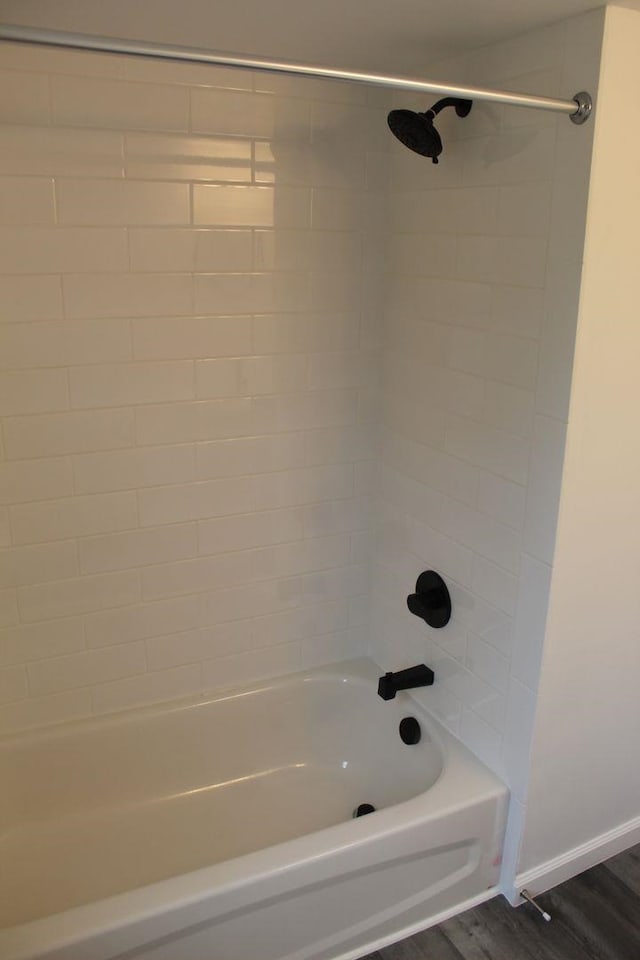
pixel 420 603
pixel 431 601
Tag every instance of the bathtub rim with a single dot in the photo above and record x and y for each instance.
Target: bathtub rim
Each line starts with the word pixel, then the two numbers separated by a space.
pixel 361 671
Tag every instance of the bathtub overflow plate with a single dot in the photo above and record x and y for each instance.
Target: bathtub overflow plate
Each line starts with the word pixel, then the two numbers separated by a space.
pixel 410 731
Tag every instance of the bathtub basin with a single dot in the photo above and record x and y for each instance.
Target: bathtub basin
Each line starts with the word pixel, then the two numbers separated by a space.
pixel 222 828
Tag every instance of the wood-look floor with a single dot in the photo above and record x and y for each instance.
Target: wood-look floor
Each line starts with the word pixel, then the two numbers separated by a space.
pixel 596 916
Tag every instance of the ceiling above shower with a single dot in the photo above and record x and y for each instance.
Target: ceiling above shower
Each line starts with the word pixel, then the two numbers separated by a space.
pixel 403 37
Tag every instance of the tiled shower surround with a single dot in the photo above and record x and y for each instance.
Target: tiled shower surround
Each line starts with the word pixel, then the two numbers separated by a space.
pixel 261 366
pixel 486 253
pixel 188 375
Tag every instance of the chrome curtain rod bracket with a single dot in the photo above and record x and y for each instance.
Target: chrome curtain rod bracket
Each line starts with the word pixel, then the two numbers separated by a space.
pixel 585 106
pixel 578 108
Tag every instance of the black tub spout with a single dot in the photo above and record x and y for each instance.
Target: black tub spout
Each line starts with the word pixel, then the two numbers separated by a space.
pixel 418 676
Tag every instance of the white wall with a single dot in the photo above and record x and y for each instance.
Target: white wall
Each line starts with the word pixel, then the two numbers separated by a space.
pixel 396 38
pixel 484 275
pixel 584 794
pixel 187 358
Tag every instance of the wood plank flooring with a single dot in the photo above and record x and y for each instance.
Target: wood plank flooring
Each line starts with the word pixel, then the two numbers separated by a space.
pixel 596 916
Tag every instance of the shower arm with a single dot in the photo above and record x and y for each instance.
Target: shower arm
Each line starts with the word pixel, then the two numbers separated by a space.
pixel 462 107
pixel 578 108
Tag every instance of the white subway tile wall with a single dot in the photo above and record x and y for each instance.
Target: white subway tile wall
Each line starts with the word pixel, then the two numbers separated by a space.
pixel 188 353
pixel 484 275
pixel 199 437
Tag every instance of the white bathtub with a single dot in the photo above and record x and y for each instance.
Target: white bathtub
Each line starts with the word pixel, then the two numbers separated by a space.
pixel 221 829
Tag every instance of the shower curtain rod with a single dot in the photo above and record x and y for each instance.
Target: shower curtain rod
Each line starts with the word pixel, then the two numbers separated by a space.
pixel 578 108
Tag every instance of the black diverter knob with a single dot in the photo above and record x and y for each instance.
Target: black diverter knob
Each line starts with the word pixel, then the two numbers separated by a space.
pixel 431 601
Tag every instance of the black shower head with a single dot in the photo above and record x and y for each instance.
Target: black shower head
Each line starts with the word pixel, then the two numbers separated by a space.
pixel 416 130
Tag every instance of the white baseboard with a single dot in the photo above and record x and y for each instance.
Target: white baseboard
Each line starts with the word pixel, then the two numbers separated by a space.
pixel 573 862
